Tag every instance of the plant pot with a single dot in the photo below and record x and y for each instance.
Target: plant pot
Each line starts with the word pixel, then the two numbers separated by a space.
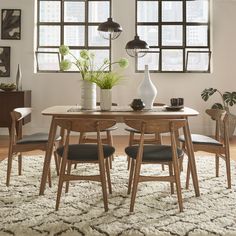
pixel 105 99
pixel 88 95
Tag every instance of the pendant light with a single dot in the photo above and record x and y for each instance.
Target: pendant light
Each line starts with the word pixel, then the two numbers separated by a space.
pixel 109 29
pixel 136 47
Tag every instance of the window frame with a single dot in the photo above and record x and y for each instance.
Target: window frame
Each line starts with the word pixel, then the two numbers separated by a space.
pixel 61 23
pixel 184 46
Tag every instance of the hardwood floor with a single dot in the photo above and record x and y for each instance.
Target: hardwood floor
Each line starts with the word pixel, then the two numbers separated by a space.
pixel 119 142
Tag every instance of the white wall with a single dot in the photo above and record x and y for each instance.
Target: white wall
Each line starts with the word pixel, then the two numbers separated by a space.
pixel 60 89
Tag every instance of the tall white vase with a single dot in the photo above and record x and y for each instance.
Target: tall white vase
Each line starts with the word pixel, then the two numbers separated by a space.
pixel 88 95
pixel 147 90
pixel 18 79
pixel 105 99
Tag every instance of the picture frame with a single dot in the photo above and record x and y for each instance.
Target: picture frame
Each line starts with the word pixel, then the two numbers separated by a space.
pixel 5 54
pixel 11 24
pixel 47 61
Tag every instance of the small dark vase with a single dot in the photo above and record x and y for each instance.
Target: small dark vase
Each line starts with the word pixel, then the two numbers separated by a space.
pixel 137 104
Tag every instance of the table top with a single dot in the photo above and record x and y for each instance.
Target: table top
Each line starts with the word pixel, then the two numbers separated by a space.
pixel 117 112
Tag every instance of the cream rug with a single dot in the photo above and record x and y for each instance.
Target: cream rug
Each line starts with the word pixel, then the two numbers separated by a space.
pixel 81 212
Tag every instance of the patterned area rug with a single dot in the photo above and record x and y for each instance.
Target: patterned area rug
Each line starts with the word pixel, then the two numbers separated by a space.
pixel 81 212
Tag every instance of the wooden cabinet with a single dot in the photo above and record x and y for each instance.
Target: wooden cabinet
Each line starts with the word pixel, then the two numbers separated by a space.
pixel 11 100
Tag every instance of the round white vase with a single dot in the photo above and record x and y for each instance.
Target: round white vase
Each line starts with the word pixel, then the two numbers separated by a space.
pixel 88 95
pixel 105 99
pixel 147 90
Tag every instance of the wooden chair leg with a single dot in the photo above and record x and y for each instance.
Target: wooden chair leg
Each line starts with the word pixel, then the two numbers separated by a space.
pixel 131 175
pixel 49 178
pixel 68 172
pixel 56 158
pixel 103 181
pixel 131 140
pixel 60 183
pixel 187 176
pixel 228 171
pixel 178 184
pixel 110 142
pixel 20 164
pixel 171 174
pixel 135 185
pixel 9 167
pixel 217 160
pixel 108 175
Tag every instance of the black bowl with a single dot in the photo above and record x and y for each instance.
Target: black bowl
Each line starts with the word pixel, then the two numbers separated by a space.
pixel 137 105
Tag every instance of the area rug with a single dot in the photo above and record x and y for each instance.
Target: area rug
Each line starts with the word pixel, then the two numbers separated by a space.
pixel 81 212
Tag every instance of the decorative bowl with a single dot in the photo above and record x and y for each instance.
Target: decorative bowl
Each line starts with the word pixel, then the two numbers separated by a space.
pixel 137 104
pixel 7 87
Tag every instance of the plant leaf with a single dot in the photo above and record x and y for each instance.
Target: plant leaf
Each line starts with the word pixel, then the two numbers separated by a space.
pixel 217 106
pixel 230 98
pixel 206 93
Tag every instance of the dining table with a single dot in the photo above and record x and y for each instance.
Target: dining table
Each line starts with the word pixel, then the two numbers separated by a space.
pixel 119 113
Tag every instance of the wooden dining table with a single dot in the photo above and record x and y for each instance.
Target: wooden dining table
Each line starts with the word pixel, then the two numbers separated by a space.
pixel 119 114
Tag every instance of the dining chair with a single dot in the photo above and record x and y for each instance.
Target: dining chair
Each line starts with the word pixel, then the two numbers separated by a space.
pixel 152 138
pixel 20 143
pixel 219 145
pixel 106 139
pixel 155 154
pixel 97 153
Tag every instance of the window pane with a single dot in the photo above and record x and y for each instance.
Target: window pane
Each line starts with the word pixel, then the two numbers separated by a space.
pixel 147 11
pixel 197 11
pixel 149 34
pixel 95 39
pixel 98 11
pixel 172 35
pixel 151 59
pixel 197 36
pixel 49 35
pixel 172 11
pixel 100 55
pixel 48 61
pixel 198 61
pixel 74 35
pixel 71 12
pixel 49 11
pixel 172 60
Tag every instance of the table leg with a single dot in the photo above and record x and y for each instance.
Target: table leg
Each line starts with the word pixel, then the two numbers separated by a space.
pixel 191 157
pixel 48 155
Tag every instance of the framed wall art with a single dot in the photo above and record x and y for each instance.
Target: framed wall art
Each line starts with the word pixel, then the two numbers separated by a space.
pixel 5 61
pixel 11 24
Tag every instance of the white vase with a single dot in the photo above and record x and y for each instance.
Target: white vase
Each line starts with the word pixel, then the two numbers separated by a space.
pixel 18 79
pixel 88 95
pixel 105 99
pixel 147 90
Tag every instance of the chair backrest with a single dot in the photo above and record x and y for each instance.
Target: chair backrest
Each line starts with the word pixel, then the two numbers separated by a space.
pixel 221 118
pixel 84 125
pixel 17 116
pixel 156 125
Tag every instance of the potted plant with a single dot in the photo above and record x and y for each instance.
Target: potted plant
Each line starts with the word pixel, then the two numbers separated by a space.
pixel 228 100
pixel 91 74
pixel 106 82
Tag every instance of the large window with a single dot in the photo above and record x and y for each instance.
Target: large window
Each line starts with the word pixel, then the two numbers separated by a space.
pixel 178 34
pixel 73 23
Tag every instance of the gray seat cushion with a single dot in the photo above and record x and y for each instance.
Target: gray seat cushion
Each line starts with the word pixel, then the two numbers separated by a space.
pixel 201 139
pixel 85 152
pixel 135 131
pixel 153 153
pixel 35 138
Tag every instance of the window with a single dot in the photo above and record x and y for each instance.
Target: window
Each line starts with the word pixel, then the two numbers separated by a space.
pixel 73 23
pixel 173 29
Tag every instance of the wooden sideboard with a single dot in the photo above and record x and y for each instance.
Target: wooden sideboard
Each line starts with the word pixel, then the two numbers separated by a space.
pixel 11 100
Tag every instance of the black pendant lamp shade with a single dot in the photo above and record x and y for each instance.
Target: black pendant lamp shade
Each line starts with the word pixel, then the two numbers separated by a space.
pixel 136 47
pixel 109 29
